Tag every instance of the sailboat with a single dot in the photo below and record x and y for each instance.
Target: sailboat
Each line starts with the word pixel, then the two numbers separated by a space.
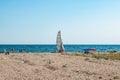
pixel 59 43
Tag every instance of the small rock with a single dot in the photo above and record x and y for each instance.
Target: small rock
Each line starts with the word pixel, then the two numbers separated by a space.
pixel 116 77
pixel 22 62
pixel 100 77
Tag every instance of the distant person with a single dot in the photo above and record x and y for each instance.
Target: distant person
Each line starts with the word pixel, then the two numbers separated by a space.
pixel 20 51
pixel 61 50
pixel 6 53
pixel 12 50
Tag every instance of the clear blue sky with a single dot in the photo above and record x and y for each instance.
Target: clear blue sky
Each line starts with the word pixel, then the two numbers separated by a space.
pixel 80 21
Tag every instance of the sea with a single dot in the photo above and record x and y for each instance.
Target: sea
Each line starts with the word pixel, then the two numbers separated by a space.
pixel 52 48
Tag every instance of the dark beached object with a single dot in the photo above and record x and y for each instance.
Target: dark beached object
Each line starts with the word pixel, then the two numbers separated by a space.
pixel 90 50
pixel 86 51
pixel 113 51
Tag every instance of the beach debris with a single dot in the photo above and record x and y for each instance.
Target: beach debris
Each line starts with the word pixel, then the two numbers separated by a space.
pixel 49 62
pixel 116 77
pixel 65 65
pixel 112 51
pixel 86 59
pixel 22 62
pixel 36 71
pixel 27 62
pixel 60 47
pixel 100 77
pixel 51 67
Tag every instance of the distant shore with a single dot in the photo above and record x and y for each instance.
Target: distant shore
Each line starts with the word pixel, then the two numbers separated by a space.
pixel 57 66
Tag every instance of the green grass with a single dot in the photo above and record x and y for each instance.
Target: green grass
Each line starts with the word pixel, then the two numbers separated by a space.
pixel 99 56
pixel 107 56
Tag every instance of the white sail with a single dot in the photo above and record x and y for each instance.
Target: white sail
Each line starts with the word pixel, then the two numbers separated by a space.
pixel 60 47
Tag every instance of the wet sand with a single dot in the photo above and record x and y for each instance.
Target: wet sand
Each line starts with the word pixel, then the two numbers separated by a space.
pixel 57 67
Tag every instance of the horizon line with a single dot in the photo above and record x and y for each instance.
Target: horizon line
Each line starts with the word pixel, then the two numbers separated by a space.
pixel 55 44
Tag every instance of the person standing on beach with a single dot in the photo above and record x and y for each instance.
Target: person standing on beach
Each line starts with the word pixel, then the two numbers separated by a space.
pixel 12 50
pixel 20 51
pixel 4 50
pixel 6 53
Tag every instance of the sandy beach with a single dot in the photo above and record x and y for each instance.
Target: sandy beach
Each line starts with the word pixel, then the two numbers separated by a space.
pixel 55 66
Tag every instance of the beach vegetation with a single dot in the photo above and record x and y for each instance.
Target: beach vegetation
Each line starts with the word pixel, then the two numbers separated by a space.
pixel 105 56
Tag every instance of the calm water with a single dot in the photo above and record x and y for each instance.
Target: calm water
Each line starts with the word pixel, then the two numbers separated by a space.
pixel 52 48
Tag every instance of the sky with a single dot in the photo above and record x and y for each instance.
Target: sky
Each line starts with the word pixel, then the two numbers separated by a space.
pixel 80 21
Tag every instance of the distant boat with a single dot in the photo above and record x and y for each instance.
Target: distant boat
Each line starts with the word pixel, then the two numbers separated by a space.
pixel 59 43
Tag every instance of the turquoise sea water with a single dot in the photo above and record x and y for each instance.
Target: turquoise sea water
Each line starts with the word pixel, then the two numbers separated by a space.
pixel 52 48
